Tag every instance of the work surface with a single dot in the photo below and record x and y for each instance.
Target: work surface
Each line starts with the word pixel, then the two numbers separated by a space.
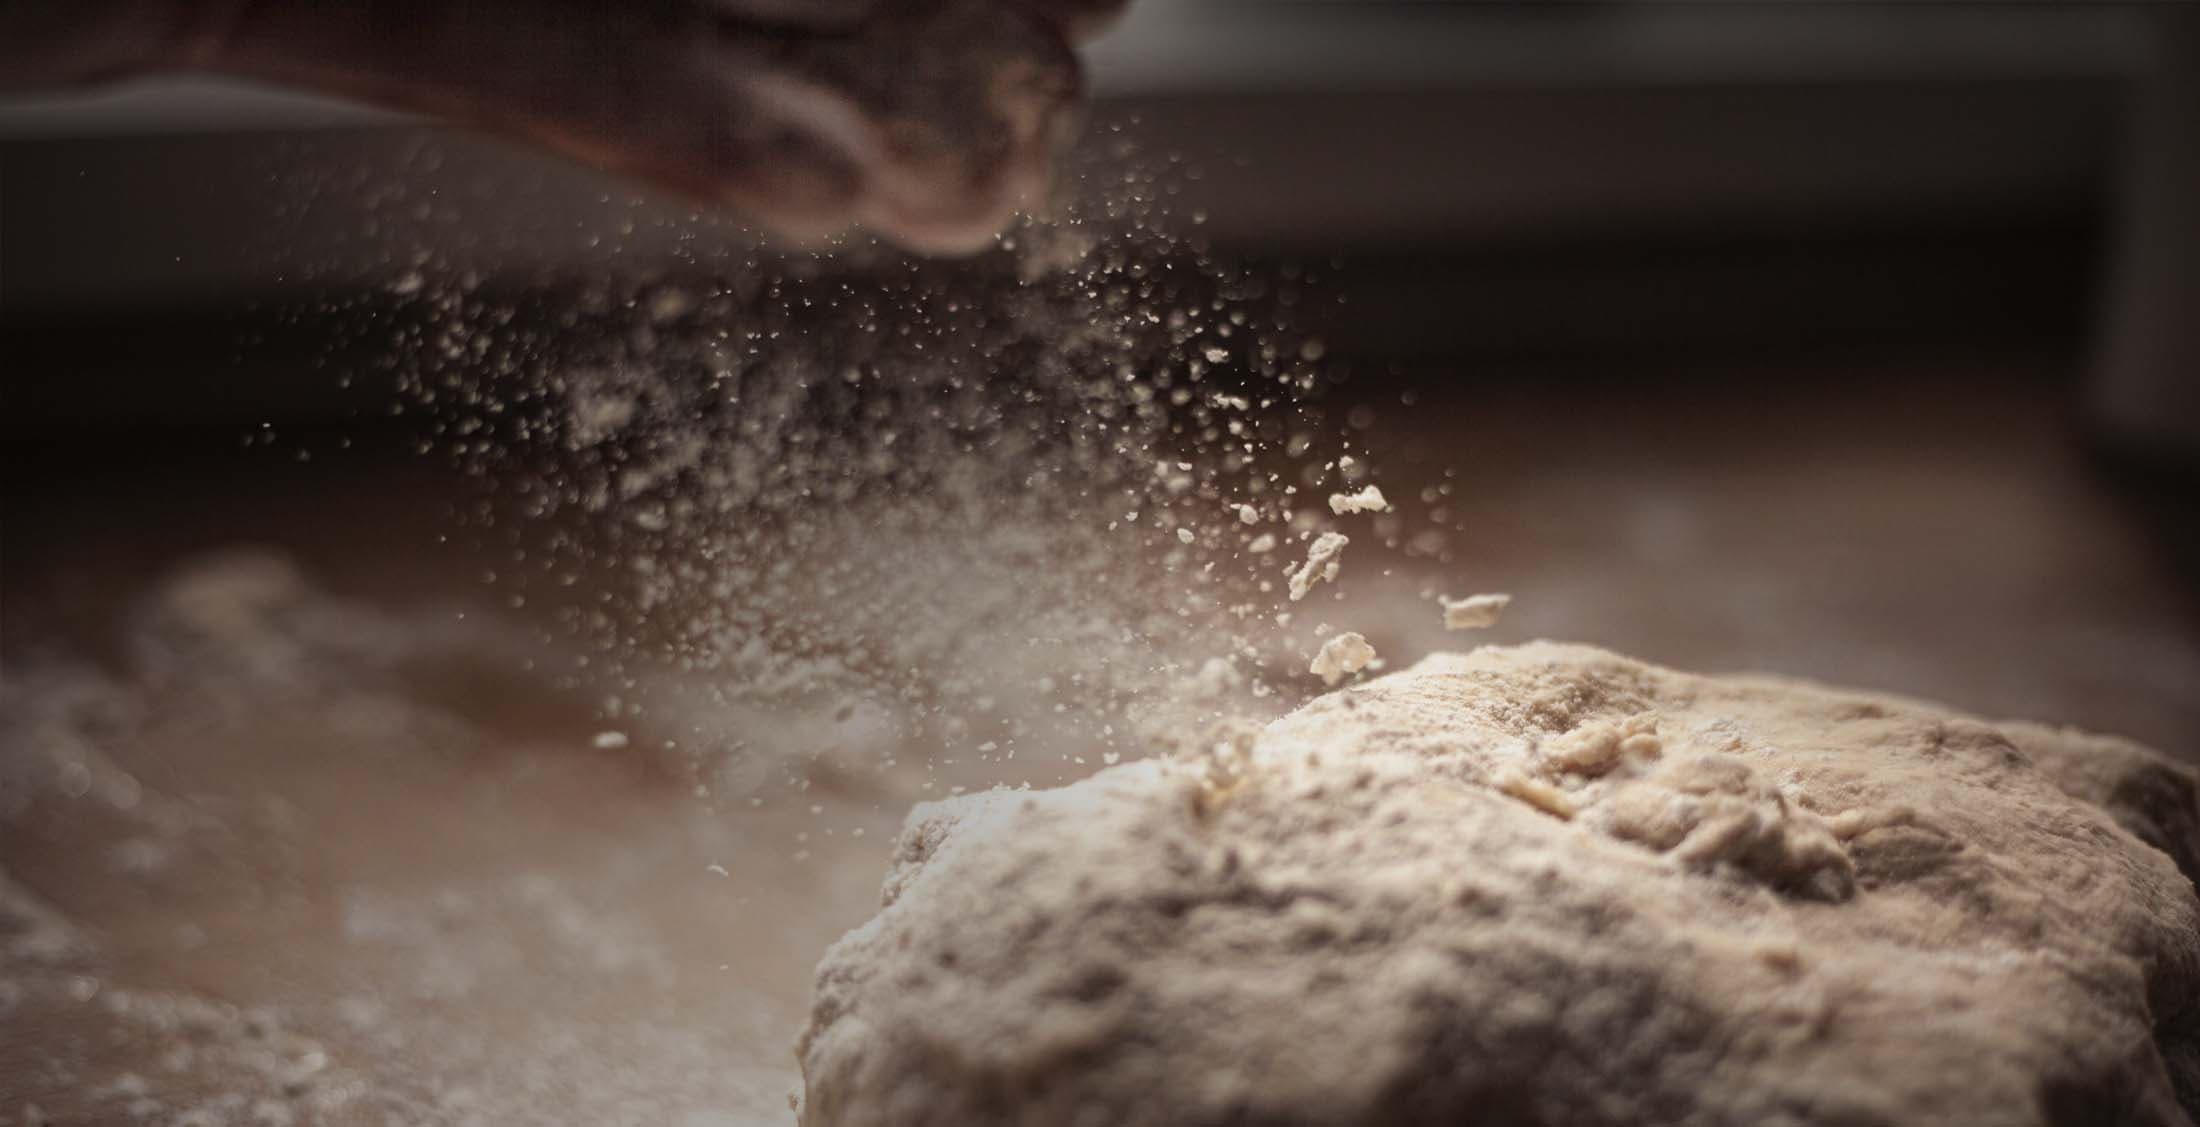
pixel 296 827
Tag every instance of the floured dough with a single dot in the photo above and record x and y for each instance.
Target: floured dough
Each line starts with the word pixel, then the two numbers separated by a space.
pixel 1543 884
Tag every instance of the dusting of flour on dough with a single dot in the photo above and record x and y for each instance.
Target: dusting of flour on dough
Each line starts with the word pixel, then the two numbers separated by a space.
pixel 1542 884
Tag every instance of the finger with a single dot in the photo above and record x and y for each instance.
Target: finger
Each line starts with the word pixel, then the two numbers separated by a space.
pixel 929 122
pixel 806 15
pixel 1080 21
pixel 778 176
pixel 636 87
pixel 953 110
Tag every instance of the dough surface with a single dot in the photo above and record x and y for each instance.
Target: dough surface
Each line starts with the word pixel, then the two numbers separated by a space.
pixel 1542 884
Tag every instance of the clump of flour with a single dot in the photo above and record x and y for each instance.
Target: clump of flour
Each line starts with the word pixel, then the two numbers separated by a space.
pixel 1367 500
pixel 1324 557
pixel 1341 656
pixel 1475 612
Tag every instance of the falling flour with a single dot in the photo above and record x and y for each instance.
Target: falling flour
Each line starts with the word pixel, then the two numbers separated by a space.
pixel 1323 557
pixel 826 520
pixel 1368 500
pixel 1044 464
pixel 1341 656
pixel 1475 612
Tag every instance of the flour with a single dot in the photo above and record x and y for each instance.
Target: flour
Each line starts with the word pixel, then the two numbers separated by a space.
pixel 1323 557
pixel 1046 462
pixel 1340 657
pixel 1474 612
pixel 1368 500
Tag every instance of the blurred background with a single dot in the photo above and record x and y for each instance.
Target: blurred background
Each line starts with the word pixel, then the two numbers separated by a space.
pixel 1950 244
pixel 1852 342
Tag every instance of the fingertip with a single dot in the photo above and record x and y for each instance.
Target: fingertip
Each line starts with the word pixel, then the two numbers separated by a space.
pixel 1080 21
pixel 936 149
pixel 934 211
pixel 941 242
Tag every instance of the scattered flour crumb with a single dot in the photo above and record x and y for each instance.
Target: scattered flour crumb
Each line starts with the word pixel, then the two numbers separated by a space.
pixel 1262 544
pixel 610 741
pixel 1535 792
pixel 1184 535
pixel 1341 656
pixel 1368 500
pixel 1248 514
pixel 1322 559
pixel 1473 612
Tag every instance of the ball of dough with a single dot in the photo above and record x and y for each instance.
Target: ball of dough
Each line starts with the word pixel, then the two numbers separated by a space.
pixel 1543 884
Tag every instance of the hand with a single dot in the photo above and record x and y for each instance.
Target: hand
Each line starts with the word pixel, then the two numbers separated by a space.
pixel 927 121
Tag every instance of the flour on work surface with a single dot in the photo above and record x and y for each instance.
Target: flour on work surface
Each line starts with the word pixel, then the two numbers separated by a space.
pixel 1323 558
pixel 1475 612
pixel 1340 657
